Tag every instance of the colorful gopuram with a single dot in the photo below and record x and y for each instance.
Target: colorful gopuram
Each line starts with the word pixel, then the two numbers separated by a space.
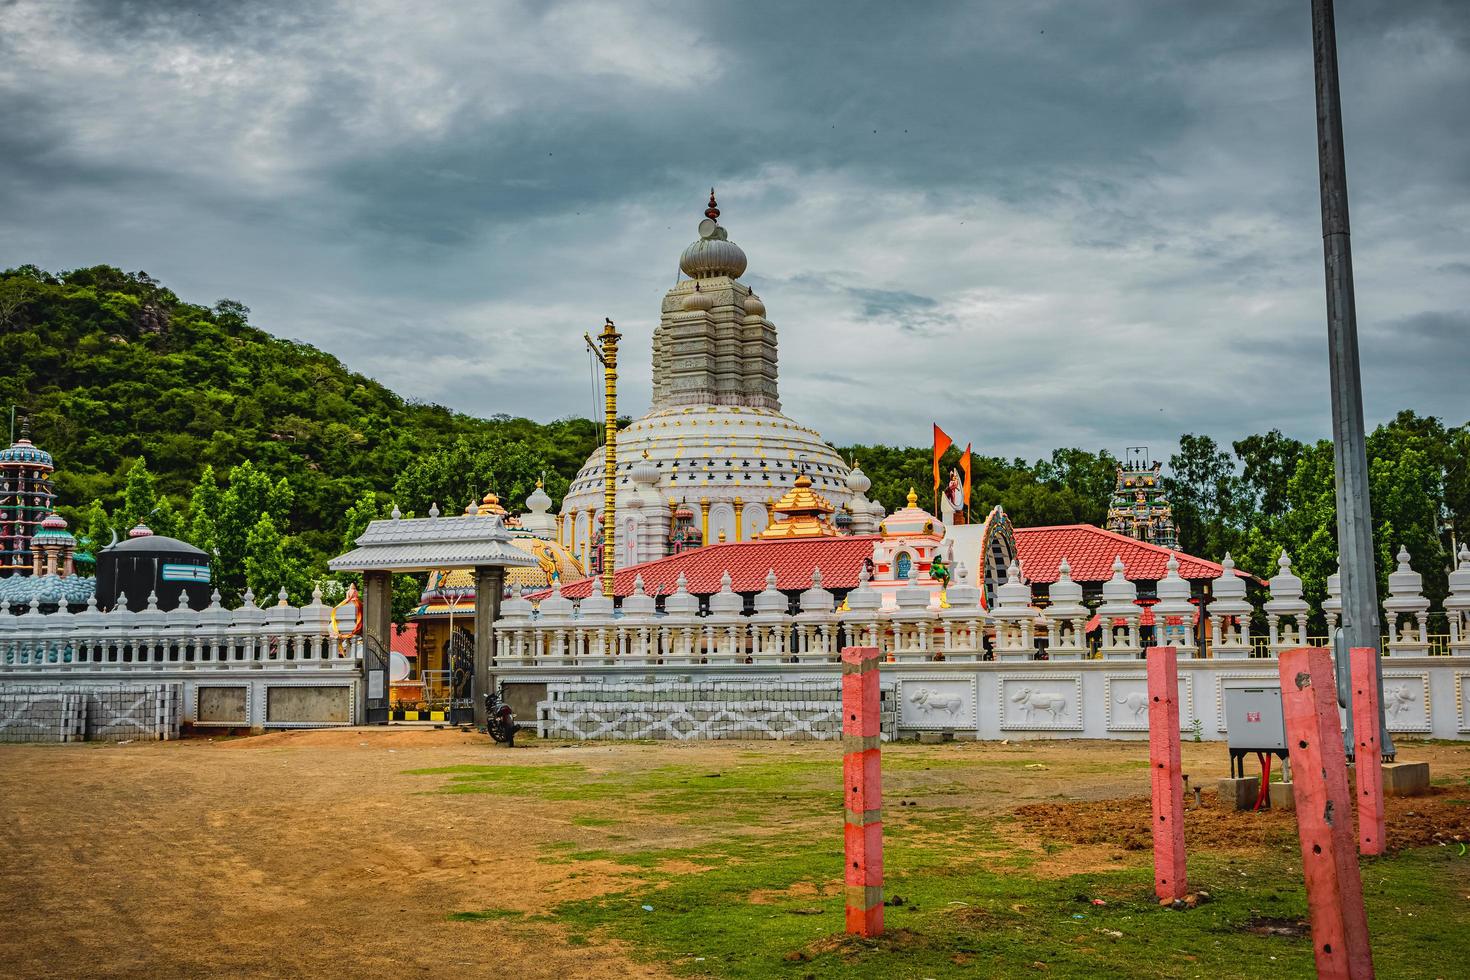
pixel 714 442
pixel 27 497
pixel 1139 508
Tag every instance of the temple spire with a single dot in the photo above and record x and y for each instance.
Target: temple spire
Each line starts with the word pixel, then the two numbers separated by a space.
pixel 713 210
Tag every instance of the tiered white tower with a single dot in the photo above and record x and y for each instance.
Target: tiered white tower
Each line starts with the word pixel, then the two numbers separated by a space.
pixel 714 438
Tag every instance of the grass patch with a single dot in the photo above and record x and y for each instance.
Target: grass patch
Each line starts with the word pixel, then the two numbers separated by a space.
pixel 773 907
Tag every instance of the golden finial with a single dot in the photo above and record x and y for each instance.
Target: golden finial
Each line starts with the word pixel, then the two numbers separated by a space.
pixel 913 497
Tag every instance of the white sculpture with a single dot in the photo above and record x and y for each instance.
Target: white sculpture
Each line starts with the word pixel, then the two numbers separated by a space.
pixel 1030 701
pixel 927 700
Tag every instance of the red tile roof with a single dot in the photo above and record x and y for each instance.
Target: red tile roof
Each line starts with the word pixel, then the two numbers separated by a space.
pixel 406 642
pixel 1090 552
pixel 748 562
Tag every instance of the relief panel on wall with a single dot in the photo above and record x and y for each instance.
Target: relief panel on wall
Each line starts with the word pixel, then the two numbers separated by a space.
pixel 1127 702
pixel 1041 702
pixel 1406 701
pixel 936 702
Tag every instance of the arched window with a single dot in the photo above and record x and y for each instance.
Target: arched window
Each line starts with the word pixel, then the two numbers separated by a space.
pixel 904 564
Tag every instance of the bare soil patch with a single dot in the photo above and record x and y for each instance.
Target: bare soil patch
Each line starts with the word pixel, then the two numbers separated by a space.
pixel 1441 817
pixel 325 853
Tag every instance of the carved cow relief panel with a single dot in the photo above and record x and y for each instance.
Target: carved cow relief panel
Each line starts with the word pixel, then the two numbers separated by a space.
pixel 1041 702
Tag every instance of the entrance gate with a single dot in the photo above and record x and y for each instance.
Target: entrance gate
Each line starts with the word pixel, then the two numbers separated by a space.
pixel 425 544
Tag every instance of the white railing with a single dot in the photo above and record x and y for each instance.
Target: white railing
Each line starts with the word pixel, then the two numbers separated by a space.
pixel 250 636
pixel 902 636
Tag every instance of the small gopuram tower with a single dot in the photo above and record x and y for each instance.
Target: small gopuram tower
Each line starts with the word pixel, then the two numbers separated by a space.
pixel 802 513
pixel 1139 508
pixel 27 496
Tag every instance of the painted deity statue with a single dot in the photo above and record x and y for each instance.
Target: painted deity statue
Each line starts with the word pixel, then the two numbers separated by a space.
pixel 951 499
pixel 939 571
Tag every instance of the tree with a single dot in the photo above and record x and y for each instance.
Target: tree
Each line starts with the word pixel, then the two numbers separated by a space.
pixel 1267 464
pixel 97 533
pixel 204 508
pixel 140 497
pixel 271 565
pixel 1205 494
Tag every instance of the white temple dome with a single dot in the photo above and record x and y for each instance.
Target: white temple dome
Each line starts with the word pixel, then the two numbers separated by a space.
pixel 710 257
pixel 857 480
pixel 713 254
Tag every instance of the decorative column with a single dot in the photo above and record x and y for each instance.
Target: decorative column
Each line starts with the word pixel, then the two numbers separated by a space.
pixel 377 626
pixel 1120 597
pixel 1066 617
pixel 489 581
pixel 1408 633
pixel 1286 603
pixel 1457 606
pixel 1174 613
pixel 738 505
pixel 704 520
pixel 1230 615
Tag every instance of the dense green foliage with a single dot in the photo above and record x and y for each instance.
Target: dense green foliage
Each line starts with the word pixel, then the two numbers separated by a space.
pixel 1275 493
pixel 273 455
pixel 113 367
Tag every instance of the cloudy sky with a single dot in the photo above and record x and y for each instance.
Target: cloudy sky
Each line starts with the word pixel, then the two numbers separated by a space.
pixel 1044 224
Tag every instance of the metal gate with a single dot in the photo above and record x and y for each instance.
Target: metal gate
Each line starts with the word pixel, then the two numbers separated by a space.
pixel 375 667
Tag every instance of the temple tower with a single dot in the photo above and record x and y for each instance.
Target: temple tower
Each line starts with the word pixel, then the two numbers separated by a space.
pixel 27 496
pixel 1139 508
pixel 713 344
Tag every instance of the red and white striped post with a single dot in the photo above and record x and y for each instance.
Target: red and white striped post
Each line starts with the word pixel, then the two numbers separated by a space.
pixel 1368 751
pixel 863 785
pixel 1165 769
pixel 1324 815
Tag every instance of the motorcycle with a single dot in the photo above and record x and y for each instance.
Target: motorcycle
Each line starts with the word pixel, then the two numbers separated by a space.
pixel 500 720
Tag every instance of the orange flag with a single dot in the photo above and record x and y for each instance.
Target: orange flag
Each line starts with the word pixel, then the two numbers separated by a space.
pixel 941 443
pixel 965 469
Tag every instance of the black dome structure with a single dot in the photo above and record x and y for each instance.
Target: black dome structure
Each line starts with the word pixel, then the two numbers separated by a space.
pixel 152 563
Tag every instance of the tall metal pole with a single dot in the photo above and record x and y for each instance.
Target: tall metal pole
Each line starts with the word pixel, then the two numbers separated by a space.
pixel 609 356
pixel 1354 512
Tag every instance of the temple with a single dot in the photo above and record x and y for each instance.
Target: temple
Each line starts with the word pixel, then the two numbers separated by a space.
pixel 713 456
pixel 27 496
pixel 41 561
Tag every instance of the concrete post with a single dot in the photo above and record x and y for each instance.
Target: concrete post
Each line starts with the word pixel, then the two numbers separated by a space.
pixel 1166 771
pixel 489 582
pixel 1369 750
pixel 377 635
pixel 1324 815
pixel 861 771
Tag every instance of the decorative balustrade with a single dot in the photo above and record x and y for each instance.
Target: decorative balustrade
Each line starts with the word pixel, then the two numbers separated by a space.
pixel 250 636
pixel 916 627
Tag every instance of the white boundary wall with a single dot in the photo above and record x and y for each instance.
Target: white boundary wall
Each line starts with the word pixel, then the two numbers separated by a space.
pixel 252 667
pixel 1424 696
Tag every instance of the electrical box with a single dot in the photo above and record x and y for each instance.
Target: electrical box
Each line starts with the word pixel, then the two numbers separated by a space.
pixel 1253 720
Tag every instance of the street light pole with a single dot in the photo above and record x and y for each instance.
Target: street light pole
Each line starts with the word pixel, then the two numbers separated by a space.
pixel 1354 512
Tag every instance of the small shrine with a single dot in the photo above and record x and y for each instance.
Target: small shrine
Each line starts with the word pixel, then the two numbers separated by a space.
pixel 801 513
pixel 910 551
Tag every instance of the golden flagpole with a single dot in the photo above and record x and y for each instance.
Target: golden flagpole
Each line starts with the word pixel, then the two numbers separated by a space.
pixel 608 355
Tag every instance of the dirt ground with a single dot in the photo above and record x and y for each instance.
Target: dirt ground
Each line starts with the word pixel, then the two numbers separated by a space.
pixel 317 853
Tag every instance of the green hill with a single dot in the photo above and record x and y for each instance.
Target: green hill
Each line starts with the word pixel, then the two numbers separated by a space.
pixel 113 366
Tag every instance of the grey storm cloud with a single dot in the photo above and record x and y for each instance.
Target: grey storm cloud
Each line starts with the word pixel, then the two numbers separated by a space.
pixel 1046 224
